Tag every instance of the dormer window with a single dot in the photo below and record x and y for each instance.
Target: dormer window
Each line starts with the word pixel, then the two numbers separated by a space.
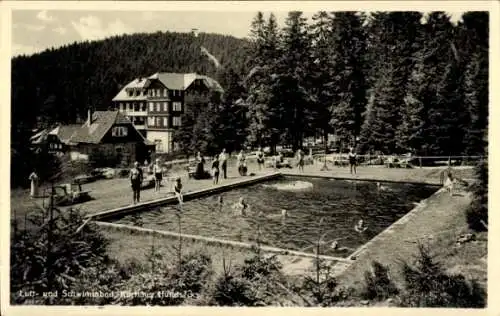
pixel 129 93
pixel 119 131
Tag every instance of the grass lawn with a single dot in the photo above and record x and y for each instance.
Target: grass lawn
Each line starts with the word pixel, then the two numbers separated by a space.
pixel 436 226
pixel 131 246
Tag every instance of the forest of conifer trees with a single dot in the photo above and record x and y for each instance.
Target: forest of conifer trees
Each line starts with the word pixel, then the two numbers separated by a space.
pixel 396 82
pixel 390 82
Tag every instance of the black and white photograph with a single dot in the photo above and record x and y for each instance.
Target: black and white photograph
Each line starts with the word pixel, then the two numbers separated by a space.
pixel 204 154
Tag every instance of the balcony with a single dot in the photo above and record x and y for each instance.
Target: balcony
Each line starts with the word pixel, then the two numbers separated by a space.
pixel 135 113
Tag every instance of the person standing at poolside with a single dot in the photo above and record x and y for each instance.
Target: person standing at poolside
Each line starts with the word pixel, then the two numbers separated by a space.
pixel 260 158
pixel 352 160
pixel 215 170
pixel 34 184
pixel 157 171
pixel 200 166
pixel 300 157
pixel 136 181
pixel 241 163
pixel 449 183
pixel 178 190
pixel 223 162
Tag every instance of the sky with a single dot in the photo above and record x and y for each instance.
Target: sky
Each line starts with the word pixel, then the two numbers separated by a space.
pixel 36 30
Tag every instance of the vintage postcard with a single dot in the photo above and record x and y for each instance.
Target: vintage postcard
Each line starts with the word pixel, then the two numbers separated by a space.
pixel 189 155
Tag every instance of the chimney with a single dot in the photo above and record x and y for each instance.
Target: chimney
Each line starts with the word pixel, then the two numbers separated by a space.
pixel 89 116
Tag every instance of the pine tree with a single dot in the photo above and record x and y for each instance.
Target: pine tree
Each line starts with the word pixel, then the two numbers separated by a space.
pixel 321 73
pixel 392 42
pixel 474 31
pixel 348 53
pixel 292 90
pixel 264 124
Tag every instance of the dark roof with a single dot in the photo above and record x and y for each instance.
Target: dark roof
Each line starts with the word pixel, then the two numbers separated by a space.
pixel 171 80
pixel 102 121
pixel 65 132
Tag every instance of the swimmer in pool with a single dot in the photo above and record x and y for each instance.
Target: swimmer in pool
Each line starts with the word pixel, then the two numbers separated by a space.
pixel 381 187
pixel 335 246
pixel 360 226
pixel 241 207
pixel 220 202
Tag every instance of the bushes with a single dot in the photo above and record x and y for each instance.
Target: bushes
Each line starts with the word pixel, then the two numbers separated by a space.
pixel 166 284
pixel 426 285
pixel 53 256
pixel 252 283
pixel 379 285
pixel 477 213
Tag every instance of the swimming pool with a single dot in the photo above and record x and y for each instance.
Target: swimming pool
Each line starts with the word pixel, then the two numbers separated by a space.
pixel 336 205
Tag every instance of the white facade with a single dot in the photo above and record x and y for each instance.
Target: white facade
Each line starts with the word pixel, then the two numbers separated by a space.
pixel 162 139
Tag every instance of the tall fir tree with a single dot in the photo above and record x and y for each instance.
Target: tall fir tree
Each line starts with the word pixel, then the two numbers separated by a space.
pixel 293 84
pixel 349 97
pixel 392 42
pixel 321 70
pixel 264 124
pixel 474 32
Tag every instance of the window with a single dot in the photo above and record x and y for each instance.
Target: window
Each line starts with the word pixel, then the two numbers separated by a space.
pixel 158 144
pixel 158 92
pixel 119 131
pixel 165 122
pixel 177 106
pixel 128 106
pixel 151 121
pixel 121 107
pixel 176 121
pixel 136 107
pixel 158 121
pixel 165 106
pixel 143 92
pixel 129 93
pixel 164 92
pixel 151 106
pixel 143 106
pixel 158 107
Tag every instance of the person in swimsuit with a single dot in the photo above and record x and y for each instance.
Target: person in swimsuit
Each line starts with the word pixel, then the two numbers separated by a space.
pixel 449 183
pixel 157 171
pixel 136 181
pixel 215 170
pixel 241 207
pixel 260 158
pixel 352 160
pixel 223 162
pixel 300 157
pixel 360 226
pixel 178 190
pixel 241 163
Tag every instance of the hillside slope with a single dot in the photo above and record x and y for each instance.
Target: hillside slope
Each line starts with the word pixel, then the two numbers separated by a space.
pixel 59 84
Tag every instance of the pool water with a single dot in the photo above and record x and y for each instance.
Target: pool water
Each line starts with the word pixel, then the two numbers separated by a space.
pixel 330 208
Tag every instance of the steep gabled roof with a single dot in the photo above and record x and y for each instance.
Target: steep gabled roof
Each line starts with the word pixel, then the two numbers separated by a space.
pixel 102 121
pixel 171 80
pixel 138 83
pixel 65 132
pixel 181 81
